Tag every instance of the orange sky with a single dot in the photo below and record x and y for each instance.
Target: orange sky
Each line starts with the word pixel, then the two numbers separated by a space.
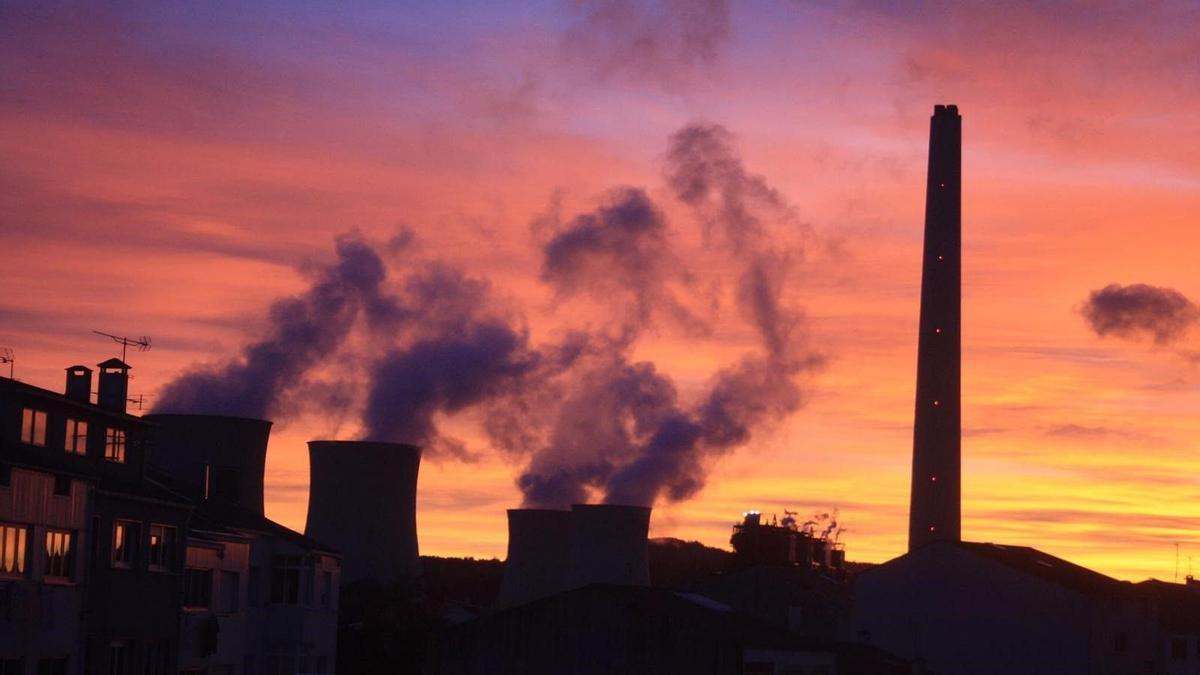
pixel 171 174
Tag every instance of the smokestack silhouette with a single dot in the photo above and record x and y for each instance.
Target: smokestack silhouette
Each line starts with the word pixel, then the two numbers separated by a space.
pixel 220 458
pixel 363 502
pixel 609 545
pixel 935 511
pixel 539 554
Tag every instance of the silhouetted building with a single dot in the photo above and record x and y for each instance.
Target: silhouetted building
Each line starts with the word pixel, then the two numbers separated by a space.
pixel 785 543
pixel 934 513
pixel 278 587
pixel 608 545
pixel 363 500
pixel 539 554
pixel 102 545
pixel 606 629
pixel 967 608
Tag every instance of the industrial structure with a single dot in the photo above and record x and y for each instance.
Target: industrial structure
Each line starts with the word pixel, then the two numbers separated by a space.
pixel 609 545
pixel 934 512
pixel 213 456
pixel 539 553
pixel 363 500
pixel 786 542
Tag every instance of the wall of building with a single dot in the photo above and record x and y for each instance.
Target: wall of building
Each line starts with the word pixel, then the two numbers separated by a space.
pixel 39 617
pixel 967 615
pixel 282 632
pixel 136 605
pixel 213 636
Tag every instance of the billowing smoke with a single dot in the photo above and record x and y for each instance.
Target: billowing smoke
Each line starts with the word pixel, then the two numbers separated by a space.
pixel 1139 310
pixel 301 331
pixel 583 413
pixel 623 429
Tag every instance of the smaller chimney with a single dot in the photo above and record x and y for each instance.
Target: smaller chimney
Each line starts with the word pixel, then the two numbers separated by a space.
pixel 609 545
pixel 114 385
pixel 79 384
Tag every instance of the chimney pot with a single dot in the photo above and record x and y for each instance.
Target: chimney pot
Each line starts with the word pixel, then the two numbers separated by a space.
pixel 79 384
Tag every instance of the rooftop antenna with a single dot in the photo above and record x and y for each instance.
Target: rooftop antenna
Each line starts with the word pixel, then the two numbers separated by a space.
pixel 141 398
pixel 142 343
pixel 6 356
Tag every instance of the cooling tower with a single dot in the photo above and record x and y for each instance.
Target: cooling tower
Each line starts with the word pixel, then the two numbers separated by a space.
pixel 539 553
pixel 218 457
pixel 362 500
pixel 609 545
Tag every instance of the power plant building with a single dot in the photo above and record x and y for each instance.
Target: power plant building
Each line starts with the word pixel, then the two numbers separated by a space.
pixel 363 501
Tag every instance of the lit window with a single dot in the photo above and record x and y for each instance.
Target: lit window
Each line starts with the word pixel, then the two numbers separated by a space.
pixel 59 555
pixel 126 537
pixel 75 440
pixel 33 426
pixel 12 549
pixel 114 445
pixel 162 547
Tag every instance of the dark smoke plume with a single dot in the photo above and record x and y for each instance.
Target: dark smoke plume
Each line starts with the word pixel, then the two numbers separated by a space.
pixel 301 330
pixel 1140 310
pixel 621 428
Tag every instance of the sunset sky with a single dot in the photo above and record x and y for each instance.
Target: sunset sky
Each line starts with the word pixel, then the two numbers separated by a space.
pixel 172 170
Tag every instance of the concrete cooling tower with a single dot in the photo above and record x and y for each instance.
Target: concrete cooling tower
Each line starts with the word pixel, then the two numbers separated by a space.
pixel 217 457
pixel 362 500
pixel 539 553
pixel 609 545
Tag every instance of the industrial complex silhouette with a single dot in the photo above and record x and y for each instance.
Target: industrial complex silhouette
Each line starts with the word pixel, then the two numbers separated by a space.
pixel 140 544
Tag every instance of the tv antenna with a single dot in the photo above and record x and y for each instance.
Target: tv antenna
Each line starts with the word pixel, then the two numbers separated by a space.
pixel 142 343
pixel 139 400
pixel 6 356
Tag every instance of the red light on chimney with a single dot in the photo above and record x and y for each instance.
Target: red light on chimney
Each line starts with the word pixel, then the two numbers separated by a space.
pixel 938 331
pixel 931 528
pixel 941 258
pixel 933 478
pixel 936 403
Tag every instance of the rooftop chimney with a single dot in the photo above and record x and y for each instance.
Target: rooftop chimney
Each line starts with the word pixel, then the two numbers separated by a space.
pixel 114 385
pixel 79 384
pixel 539 553
pixel 609 545
pixel 934 513
pixel 218 457
pixel 362 500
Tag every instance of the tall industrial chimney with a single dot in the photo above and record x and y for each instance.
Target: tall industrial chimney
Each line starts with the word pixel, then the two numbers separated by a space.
pixel 934 513
pixel 539 555
pixel 609 545
pixel 362 500
pixel 219 458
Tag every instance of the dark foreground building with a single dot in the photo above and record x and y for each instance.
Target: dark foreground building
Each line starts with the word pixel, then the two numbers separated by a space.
pixel 605 629
pixel 93 548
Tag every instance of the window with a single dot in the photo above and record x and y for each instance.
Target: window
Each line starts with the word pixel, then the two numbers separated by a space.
pixel 62 486
pixel 197 588
pixel 114 445
pixel 53 666
pixel 162 547
pixel 75 439
pixel 326 588
pixel 286 574
pixel 5 475
pixel 126 538
pixel 231 592
pixel 253 586
pixel 1179 648
pixel 12 549
pixel 33 426
pixel 11 667
pixel 59 555
pixel 120 658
